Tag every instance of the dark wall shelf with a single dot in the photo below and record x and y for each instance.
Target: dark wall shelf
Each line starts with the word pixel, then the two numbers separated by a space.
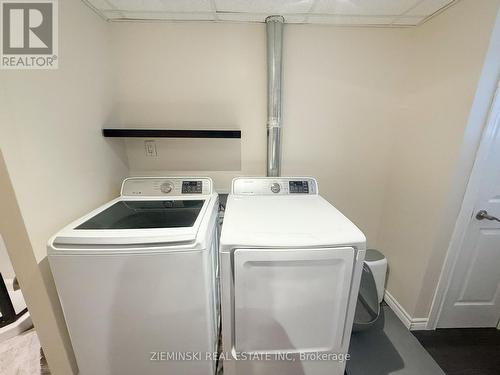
pixel 170 133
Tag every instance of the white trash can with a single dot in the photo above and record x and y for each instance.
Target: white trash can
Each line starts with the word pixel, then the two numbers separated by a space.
pixel 378 265
pixel 371 291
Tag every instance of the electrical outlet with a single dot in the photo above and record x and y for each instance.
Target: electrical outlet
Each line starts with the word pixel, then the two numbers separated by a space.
pixel 150 147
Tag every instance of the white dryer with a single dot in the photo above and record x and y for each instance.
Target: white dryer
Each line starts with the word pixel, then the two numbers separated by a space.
pixel 137 279
pixel 290 271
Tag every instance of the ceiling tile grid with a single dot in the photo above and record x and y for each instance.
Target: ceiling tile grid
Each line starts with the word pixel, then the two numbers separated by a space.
pixel 264 6
pixel 364 7
pixel 397 13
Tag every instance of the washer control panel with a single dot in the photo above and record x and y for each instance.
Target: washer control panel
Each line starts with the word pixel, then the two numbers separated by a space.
pixel 167 186
pixel 192 187
pixel 275 186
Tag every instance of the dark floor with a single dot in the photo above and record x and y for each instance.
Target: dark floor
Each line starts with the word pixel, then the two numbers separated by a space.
pixel 388 348
pixel 467 351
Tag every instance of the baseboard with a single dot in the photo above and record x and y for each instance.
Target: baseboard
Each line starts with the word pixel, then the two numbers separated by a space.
pixel 419 324
pixel 413 324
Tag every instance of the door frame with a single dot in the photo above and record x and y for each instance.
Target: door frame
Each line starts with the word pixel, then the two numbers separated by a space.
pixel 467 210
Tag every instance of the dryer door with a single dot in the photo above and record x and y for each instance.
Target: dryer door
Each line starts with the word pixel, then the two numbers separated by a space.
pixel 291 300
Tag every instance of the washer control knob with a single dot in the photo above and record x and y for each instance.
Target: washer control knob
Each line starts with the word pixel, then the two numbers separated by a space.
pixel 166 187
pixel 275 188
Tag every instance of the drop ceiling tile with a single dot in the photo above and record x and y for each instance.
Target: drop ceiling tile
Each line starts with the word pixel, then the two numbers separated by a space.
pixel 428 7
pixel 338 12
pixel 295 18
pixel 112 14
pixel 364 7
pixel 264 6
pixel 241 17
pixel 190 16
pixel 100 4
pixel 409 21
pixel 159 16
pixel 162 5
pixel 258 17
pixel 350 20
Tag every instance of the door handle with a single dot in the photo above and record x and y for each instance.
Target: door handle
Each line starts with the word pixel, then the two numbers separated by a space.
pixel 483 214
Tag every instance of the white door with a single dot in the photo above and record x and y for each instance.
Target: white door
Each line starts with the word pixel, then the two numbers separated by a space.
pixel 291 300
pixel 473 297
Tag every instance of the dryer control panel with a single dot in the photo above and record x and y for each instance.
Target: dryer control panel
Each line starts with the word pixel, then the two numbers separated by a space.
pixel 275 186
pixel 167 186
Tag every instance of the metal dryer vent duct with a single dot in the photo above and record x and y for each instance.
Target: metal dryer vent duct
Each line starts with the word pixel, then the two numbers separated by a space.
pixel 274 31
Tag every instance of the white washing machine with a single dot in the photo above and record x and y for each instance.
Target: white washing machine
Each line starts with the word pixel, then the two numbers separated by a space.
pixel 137 279
pixel 290 270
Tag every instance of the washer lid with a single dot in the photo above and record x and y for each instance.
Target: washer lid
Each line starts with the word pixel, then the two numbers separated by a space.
pixel 132 221
pixel 286 221
pixel 146 214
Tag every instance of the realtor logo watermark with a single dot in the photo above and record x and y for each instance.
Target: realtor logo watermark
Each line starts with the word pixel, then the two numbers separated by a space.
pixel 29 37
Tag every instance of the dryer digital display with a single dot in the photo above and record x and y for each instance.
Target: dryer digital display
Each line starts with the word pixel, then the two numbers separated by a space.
pixel 300 187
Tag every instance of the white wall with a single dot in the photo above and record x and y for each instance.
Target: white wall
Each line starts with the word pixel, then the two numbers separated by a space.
pixel 193 76
pixel 341 103
pixel 59 164
pixel 214 75
pixel 51 124
pixel 447 55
